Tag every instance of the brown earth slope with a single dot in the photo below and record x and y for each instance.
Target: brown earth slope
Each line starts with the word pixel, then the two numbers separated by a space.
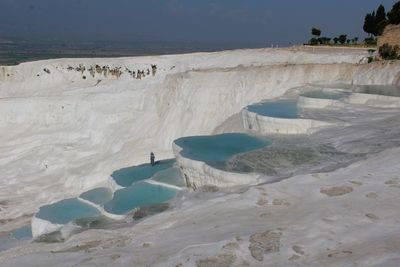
pixel 391 35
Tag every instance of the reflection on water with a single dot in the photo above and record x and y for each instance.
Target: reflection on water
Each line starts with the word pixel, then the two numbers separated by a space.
pixel 286 109
pixel 217 149
pixel 284 161
pixel 387 90
pixel 127 176
pixel 324 94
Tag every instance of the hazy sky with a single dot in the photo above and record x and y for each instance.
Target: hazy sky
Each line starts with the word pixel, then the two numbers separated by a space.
pixel 250 22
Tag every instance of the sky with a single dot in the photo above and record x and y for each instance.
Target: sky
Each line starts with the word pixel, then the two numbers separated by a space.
pixel 241 22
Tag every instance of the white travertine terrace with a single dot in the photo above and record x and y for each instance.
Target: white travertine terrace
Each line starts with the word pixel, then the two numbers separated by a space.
pixel 197 173
pixel 318 103
pixel 380 101
pixel 270 125
pixel 62 135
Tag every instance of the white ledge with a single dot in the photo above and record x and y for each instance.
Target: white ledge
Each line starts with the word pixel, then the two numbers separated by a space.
pixel 270 125
pixel 197 173
pixel 379 101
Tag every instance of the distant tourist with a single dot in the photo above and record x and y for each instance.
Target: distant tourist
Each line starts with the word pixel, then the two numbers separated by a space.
pixel 152 158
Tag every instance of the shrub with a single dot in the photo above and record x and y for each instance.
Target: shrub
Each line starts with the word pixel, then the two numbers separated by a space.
pixel 389 52
pixel 370 59
pixel 324 40
pixel 313 41
pixel 370 41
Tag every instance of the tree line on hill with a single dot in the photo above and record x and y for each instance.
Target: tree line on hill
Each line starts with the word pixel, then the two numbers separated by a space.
pixel 342 39
pixel 374 24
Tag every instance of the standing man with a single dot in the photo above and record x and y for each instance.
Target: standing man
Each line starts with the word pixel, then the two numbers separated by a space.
pixel 152 158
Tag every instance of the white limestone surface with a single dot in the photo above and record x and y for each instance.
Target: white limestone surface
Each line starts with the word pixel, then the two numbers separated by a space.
pixel 62 134
pixel 317 103
pixel 198 173
pixel 307 220
pixel 270 125
pixel 295 221
pixel 40 227
pixel 379 101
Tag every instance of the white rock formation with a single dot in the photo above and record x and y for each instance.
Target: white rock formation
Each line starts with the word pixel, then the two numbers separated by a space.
pixel 316 103
pixel 270 125
pixel 380 101
pixel 62 134
pixel 197 173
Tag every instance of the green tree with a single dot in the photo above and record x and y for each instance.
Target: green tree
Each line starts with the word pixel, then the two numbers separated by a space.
pixel 342 38
pixel 380 20
pixel 335 40
pixel 324 40
pixel 316 32
pixel 394 14
pixel 370 41
pixel 369 23
pixel 381 26
pixel 380 14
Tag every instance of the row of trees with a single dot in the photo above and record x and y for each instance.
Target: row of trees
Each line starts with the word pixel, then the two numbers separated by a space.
pixel 375 22
pixel 341 39
pixel 374 25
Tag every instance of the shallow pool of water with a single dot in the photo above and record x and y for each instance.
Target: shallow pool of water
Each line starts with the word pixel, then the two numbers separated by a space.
pixel 323 94
pixel 286 109
pixel 98 196
pixel 127 176
pixel 219 148
pixel 138 195
pixel 170 176
pixel 23 233
pixel 66 210
pixel 387 90
pixel 16 238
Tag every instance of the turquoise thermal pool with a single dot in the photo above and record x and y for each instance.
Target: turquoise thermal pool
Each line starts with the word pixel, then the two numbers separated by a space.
pixel 22 233
pixel 99 196
pixel 387 90
pixel 66 211
pixel 164 182
pixel 219 148
pixel 170 176
pixel 139 195
pixel 286 109
pixel 127 176
pixel 322 94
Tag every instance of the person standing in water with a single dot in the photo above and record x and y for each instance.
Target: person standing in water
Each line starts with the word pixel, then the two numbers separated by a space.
pixel 152 158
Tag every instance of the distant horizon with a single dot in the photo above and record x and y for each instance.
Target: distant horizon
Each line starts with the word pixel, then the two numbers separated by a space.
pixel 233 23
pixel 15 51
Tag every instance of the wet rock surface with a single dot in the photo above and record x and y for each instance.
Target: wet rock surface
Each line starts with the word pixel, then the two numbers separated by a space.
pixel 287 160
pixel 149 210
pixel 336 191
pixel 262 243
pixel 223 260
